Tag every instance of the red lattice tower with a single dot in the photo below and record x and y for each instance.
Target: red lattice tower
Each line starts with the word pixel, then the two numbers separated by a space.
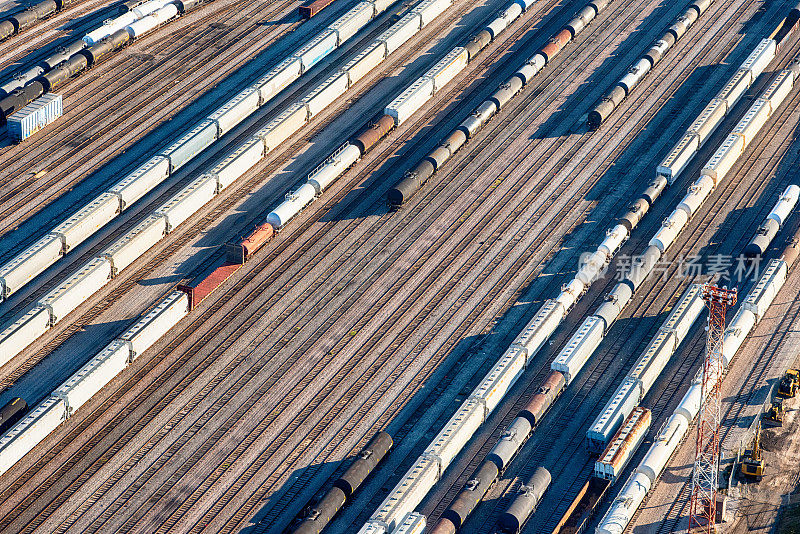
pixel 705 477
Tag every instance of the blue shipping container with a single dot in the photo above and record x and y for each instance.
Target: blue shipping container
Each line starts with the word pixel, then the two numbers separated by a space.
pixel 35 116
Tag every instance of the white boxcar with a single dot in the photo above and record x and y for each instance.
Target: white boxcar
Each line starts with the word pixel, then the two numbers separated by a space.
pixel 326 92
pixel 430 9
pixel 679 157
pixel 759 58
pixel 779 89
pixel 88 220
pixel 22 332
pixel 623 445
pixel 324 175
pixel 618 407
pixel 724 158
pixel 93 376
pixel 762 295
pixel 155 323
pixel 35 116
pixel 294 203
pixel 76 289
pixel 348 24
pixel 653 360
pixel 456 432
pixel 190 199
pixel 410 100
pixel 316 49
pixel 30 431
pixel 30 263
pixel 408 493
pixel 401 31
pixel 278 78
pixel 536 332
pixel 735 88
pixel 239 162
pixel 499 380
pixel 282 126
pixel 755 118
pixel 368 59
pixel 413 523
pixel 190 144
pixel 142 180
pixel 235 110
pixel 708 121
pixel 133 244
pixel 581 345
pixel 448 67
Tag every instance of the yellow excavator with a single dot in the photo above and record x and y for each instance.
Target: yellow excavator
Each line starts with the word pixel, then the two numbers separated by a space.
pixel 752 463
pixel 787 388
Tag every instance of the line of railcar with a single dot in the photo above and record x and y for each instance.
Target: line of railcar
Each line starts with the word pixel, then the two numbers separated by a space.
pixel 125 349
pixel 639 70
pixel 773 223
pixel 579 349
pixel 78 56
pixel 22 20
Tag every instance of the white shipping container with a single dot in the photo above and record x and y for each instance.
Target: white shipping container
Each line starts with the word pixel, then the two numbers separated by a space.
pixel 724 158
pixel 348 24
pixel 679 157
pixel 410 100
pixel 456 433
pixel 35 116
pixel 709 120
pixel 759 58
pixel 333 167
pixel 22 332
pixel 499 380
pixel 753 121
pixel 284 125
pixel 779 89
pixel 580 347
pixel 156 323
pixel 762 295
pixel 88 220
pixel 316 49
pixel 538 330
pixel 188 200
pixel 401 31
pixel 30 431
pixel 235 110
pixel 368 59
pixel 448 67
pixel 190 144
pixel 93 376
pixel 408 493
pixel 30 263
pixel 239 162
pixel 294 203
pixel 142 180
pixel 430 9
pixel 136 242
pixel 277 79
pixel 326 92
pixel 76 289
pixel 735 88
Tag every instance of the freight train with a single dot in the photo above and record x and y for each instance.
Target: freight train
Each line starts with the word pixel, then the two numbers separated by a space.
pixel 30 16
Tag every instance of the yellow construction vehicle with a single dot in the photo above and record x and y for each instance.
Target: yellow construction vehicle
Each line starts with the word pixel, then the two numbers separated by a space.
pixel 787 388
pixel 774 416
pixel 752 463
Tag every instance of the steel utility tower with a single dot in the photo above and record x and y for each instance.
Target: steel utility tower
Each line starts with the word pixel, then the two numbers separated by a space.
pixel 705 477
